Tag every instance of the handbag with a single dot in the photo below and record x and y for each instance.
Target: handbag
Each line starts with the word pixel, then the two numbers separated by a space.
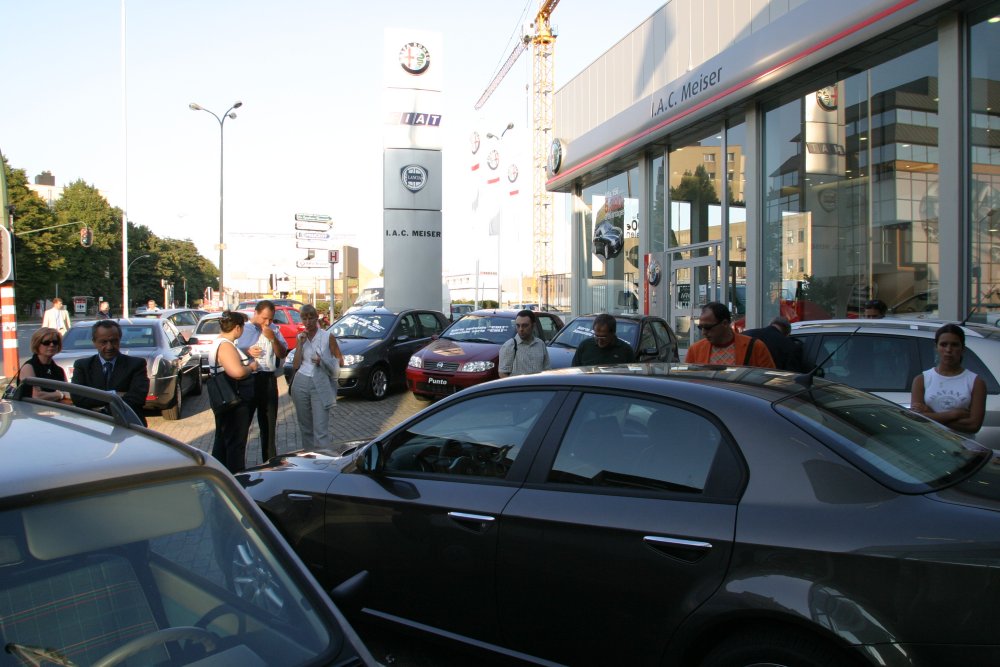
pixel 222 395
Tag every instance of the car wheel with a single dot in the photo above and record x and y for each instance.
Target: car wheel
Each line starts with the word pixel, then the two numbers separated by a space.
pixel 173 413
pixel 198 383
pixel 774 648
pixel 378 383
pixel 250 577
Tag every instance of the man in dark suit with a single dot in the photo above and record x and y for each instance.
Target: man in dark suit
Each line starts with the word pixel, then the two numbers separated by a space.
pixel 111 370
pixel 785 350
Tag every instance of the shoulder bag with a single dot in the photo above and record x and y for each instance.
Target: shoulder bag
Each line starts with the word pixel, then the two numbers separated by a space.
pixel 222 395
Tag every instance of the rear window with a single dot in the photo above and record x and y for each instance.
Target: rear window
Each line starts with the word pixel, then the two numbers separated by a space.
pixel 133 336
pixel 210 326
pixel 900 448
pixel 582 328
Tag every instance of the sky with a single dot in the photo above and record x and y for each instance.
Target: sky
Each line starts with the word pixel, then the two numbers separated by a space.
pixel 308 138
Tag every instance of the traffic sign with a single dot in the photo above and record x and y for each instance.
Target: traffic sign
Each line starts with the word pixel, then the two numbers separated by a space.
pixel 311 235
pixel 317 244
pixel 334 256
pixel 312 264
pixel 312 217
pixel 315 226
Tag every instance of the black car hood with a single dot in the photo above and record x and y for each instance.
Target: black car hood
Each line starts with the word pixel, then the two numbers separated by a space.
pixel 358 345
pixel 981 489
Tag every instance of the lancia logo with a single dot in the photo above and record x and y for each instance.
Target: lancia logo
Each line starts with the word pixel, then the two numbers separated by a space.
pixel 415 58
pixel 493 159
pixel 414 177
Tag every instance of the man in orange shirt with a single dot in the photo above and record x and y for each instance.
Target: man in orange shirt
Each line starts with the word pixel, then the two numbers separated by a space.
pixel 723 346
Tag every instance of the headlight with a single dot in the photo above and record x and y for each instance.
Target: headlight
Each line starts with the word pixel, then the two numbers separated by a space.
pixel 352 359
pixel 476 366
pixel 416 362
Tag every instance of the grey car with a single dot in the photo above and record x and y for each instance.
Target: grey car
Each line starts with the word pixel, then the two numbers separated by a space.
pixel 883 356
pixel 185 319
pixel 657 514
pixel 174 370
pixel 119 545
pixel 651 338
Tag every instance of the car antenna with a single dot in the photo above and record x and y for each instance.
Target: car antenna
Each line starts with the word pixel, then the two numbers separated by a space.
pixel 971 311
pixel 806 379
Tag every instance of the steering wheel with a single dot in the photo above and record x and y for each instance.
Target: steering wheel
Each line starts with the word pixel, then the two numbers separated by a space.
pixel 424 459
pixel 139 644
pixel 224 609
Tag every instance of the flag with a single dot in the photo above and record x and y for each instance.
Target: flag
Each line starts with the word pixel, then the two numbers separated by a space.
pixel 495 222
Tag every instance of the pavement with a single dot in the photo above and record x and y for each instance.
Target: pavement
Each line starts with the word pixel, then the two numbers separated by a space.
pixel 354 418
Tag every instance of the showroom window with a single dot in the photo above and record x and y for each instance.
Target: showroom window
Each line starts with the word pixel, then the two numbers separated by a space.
pixel 610 275
pixel 851 167
pixel 984 151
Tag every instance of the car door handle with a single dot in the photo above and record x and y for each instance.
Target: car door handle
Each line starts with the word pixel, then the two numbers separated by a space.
pixel 689 551
pixel 477 522
pixel 299 497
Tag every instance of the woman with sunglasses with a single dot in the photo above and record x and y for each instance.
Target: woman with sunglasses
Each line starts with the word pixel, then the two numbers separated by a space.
pixel 46 342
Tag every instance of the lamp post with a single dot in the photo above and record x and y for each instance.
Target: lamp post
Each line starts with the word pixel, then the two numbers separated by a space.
pixel 490 135
pixel 222 122
pixel 128 268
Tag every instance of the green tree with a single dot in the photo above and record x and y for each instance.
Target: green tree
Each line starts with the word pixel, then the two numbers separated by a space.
pixel 34 253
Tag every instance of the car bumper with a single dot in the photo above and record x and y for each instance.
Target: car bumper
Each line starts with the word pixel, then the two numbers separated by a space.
pixel 444 384
pixel 161 392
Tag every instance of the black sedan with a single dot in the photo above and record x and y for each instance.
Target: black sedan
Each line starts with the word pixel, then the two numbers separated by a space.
pixel 651 338
pixel 662 515
pixel 377 344
pixel 174 370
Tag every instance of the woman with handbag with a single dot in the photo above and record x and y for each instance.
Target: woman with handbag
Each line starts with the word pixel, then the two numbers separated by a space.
pixel 232 417
pixel 314 392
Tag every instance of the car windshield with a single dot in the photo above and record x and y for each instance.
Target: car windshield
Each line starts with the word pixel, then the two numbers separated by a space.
pixel 133 336
pixel 582 328
pixel 481 329
pixel 902 449
pixel 88 573
pixel 209 326
pixel 362 325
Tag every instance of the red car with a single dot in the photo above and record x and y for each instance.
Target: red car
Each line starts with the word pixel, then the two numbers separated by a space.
pixel 467 352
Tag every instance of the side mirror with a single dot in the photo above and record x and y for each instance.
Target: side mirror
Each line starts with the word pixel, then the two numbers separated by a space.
pixel 193 341
pixel 651 351
pixel 369 459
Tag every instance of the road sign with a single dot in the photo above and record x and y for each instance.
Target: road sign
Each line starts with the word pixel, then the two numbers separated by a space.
pixel 311 235
pixel 317 244
pixel 315 226
pixel 312 217
pixel 334 256
pixel 312 264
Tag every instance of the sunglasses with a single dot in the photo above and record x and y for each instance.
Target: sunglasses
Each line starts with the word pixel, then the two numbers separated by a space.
pixel 52 341
pixel 709 327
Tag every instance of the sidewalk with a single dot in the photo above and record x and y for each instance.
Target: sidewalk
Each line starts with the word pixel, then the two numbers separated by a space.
pixel 353 418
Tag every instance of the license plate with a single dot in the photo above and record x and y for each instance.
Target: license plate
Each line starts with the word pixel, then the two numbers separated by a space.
pixel 437 381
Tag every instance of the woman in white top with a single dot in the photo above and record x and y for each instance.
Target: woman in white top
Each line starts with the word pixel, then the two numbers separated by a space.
pixel 948 393
pixel 232 427
pixel 314 391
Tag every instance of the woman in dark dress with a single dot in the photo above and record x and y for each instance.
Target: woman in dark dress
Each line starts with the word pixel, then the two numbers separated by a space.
pixel 46 342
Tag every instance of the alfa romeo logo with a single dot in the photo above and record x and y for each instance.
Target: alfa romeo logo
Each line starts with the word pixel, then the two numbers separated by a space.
pixel 826 98
pixel 414 177
pixel 474 141
pixel 512 173
pixel 493 159
pixel 415 58
pixel 653 273
pixel 555 156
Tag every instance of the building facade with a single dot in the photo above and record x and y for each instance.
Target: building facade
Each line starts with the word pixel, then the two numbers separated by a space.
pixel 787 156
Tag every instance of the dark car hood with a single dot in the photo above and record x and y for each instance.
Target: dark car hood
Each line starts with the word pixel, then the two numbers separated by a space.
pixel 453 350
pixel 981 489
pixel 358 345
pixel 561 357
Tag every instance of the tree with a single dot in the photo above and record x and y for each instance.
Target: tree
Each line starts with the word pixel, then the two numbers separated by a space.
pixel 34 254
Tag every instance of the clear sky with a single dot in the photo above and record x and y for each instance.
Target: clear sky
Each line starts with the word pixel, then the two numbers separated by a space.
pixel 308 137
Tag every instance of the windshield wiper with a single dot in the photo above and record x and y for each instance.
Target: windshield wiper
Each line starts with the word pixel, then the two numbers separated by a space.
pixel 350 336
pixel 475 340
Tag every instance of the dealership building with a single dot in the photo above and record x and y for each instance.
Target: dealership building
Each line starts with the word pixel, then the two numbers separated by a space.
pixel 779 154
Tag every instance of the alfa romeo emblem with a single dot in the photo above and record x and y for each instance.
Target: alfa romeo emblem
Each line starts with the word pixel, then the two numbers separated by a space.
pixel 555 156
pixel 827 98
pixel 414 58
pixel 512 173
pixel 653 273
pixel 493 159
pixel 474 141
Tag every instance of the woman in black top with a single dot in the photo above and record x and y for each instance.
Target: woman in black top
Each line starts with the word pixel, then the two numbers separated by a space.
pixel 45 343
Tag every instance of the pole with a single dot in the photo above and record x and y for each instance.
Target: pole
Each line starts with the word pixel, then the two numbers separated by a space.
pixel 222 245
pixel 125 262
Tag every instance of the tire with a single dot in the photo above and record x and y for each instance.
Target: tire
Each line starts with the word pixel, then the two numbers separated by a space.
pixel 378 384
pixel 173 413
pixel 198 383
pixel 774 647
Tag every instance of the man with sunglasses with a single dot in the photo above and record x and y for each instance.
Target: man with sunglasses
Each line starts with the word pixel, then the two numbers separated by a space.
pixel 723 346
pixel 525 353
pixel 605 348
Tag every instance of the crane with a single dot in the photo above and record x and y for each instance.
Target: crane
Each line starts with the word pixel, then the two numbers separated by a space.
pixel 543 43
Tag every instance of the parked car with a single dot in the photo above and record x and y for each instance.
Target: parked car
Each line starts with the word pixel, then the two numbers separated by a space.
pixel 252 303
pixel 883 356
pixel 205 335
pixel 651 338
pixel 468 351
pixel 174 369
pixel 377 345
pixel 698 515
pixel 185 319
pixel 459 309
pixel 123 546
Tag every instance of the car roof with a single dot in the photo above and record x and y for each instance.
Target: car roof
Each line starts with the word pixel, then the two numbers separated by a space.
pixel 47 447
pixel 381 310
pixel 895 325
pixel 161 312
pixel 505 312
pixel 634 317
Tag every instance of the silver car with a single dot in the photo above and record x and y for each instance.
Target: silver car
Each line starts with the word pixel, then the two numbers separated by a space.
pixel 883 356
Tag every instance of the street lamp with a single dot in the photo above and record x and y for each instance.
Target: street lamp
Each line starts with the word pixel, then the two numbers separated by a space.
pixel 490 135
pixel 222 121
pixel 127 270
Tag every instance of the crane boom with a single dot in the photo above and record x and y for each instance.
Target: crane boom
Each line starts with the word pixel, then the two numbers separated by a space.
pixel 511 59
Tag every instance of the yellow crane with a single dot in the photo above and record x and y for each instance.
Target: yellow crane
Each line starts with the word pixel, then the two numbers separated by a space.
pixel 543 43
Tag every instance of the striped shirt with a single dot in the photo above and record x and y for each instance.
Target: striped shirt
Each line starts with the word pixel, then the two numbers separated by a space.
pixel 520 358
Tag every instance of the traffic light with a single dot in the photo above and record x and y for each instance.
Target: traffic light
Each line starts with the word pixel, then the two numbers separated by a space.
pixel 86 237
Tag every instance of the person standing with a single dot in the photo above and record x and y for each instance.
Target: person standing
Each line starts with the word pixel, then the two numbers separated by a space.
pixel 232 426
pixel 525 353
pixel 314 393
pixel 104 311
pixel 57 317
pixel 786 352
pixel 262 340
pixel 948 393
pixel 723 346
pixel 45 343
pixel 605 348
pixel 110 370
pixel 875 309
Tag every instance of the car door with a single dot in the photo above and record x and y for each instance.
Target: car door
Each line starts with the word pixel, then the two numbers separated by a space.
pixel 666 341
pixel 548 327
pixel 421 515
pixel 623 527
pixel 407 338
pixel 647 350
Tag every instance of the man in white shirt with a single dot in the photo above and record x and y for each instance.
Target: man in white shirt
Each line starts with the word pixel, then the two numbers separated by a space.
pixel 524 353
pixel 262 340
pixel 56 317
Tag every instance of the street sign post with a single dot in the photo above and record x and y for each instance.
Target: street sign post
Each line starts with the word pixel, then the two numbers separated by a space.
pixel 334 256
